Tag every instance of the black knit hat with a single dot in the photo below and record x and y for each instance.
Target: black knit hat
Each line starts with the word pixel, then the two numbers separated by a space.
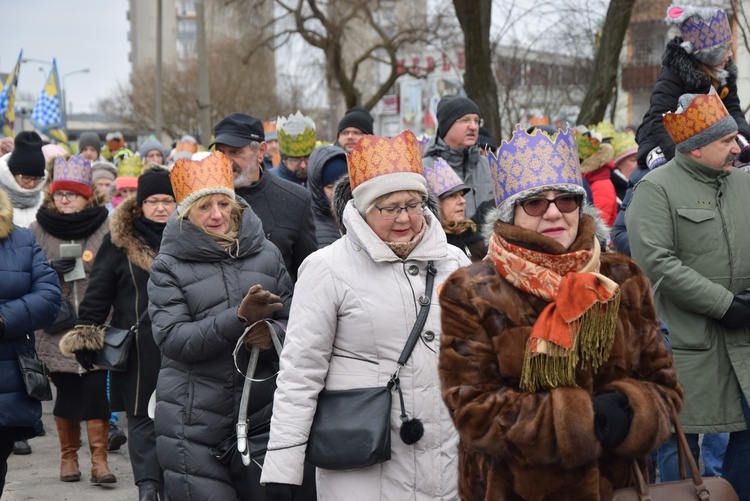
pixel 154 181
pixel 27 157
pixel 451 108
pixel 357 117
pixel 89 139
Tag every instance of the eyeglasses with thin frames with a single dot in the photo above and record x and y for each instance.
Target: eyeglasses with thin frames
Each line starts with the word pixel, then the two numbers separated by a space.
pixel 392 212
pixel 29 179
pixel 69 196
pixel 538 206
pixel 470 120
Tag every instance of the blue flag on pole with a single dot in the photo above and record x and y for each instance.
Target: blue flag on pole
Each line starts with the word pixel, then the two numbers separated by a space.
pixel 47 116
pixel 8 99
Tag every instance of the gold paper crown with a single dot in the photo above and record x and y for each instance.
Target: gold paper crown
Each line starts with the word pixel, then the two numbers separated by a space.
pixel 704 111
pixel 374 156
pixel 192 179
pixel 296 135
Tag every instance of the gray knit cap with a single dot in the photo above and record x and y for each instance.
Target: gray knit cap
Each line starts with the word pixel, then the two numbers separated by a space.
pixel 712 133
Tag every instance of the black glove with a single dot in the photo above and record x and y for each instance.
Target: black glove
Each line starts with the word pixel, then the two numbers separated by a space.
pixel 612 417
pixel 86 359
pixel 738 314
pixel 280 492
pixel 744 156
pixel 63 264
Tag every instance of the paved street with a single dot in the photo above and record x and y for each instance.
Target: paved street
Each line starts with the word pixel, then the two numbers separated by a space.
pixel 36 477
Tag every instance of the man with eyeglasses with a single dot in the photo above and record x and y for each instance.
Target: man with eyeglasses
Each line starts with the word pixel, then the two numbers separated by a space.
pixel 23 177
pixel 284 208
pixel 459 121
pixel 296 135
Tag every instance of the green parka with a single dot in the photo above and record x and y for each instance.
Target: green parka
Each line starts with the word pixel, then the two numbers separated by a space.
pixel 689 229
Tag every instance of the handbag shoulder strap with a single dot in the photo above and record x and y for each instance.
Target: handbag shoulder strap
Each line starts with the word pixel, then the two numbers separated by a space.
pixel 252 364
pixel 424 300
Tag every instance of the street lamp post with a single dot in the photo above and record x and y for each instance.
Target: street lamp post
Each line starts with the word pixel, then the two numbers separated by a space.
pixel 62 91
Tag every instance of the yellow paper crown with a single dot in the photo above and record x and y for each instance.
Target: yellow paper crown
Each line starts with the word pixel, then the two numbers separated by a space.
pixel 624 143
pixel 374 156
pixel 605 129
pixel 192 179
pixel 588 142
pixel 129 167
pixel 296 134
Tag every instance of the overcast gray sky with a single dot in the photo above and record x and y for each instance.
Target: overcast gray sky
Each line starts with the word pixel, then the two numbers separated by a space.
pixel 79 34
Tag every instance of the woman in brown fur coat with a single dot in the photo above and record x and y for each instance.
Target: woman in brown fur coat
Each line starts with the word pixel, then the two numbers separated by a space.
pixel 552 363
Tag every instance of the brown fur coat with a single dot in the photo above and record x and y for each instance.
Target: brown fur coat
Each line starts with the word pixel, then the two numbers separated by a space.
pixel 541 446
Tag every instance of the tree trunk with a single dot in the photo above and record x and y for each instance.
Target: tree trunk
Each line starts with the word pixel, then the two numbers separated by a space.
pixel 475 18
pixel 604 75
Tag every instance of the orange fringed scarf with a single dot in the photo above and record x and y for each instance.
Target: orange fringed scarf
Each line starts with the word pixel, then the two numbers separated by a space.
pixel 578 326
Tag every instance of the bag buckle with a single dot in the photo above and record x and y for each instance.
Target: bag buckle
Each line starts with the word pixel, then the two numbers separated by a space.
pixel 394 377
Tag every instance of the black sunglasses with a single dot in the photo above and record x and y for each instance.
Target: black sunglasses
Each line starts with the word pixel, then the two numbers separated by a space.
pixel 538 206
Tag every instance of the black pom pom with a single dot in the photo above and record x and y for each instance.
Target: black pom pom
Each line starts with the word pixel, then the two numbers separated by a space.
pixel 411 431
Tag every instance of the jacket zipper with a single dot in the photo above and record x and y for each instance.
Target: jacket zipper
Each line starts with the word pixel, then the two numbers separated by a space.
pixel 137 344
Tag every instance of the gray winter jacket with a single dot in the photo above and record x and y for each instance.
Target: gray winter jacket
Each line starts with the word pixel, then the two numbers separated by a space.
pixel 326 231
pixel 469 165
pixel 194 292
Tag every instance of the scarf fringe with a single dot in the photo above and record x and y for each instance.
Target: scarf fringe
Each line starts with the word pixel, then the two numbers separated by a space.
pixel 594 334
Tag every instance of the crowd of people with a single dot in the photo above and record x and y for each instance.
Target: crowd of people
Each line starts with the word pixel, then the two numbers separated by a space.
pixel 543 359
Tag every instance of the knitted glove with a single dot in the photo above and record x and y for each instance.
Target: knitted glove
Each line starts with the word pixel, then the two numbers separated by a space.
pixel 744 144
pixel 612 418
pixel 280 492
pixel 63 264
pixel 86 359
pixel 655 158
pixel 258 304
pixel 738 314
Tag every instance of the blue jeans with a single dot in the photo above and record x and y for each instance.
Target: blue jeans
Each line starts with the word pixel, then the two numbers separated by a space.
pixel 713 448
pixel 736 464
pixel 113 417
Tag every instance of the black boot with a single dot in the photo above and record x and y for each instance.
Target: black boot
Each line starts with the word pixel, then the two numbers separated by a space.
pixel 21 448
pixel 148 490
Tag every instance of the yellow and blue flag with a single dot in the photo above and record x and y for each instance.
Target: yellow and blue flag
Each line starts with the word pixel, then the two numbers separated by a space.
pixel 47 116
pixel 8 99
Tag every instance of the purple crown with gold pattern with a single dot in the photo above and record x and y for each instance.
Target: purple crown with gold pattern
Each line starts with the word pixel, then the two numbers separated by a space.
pixel 442 179
pixel 76 169
pixel 702 34
pixel 530 161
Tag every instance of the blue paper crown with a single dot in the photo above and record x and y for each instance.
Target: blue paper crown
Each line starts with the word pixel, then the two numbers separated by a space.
pixel 530 161
pixel 706 34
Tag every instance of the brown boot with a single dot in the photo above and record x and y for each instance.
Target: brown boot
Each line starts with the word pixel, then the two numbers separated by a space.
pixel 98 430
pixel 70 441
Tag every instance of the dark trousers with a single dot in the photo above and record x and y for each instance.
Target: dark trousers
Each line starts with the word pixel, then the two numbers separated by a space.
pixel 6 448
pixel 142 448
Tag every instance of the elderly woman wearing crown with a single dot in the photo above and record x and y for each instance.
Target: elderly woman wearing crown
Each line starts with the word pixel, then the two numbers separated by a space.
pixel 215 274
pixel 356 304
pixel 552 363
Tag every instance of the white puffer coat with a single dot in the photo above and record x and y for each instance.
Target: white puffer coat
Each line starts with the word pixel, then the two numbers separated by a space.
pixel 354 306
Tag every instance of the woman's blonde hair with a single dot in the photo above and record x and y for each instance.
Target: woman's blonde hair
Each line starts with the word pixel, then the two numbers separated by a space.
pixel 234 224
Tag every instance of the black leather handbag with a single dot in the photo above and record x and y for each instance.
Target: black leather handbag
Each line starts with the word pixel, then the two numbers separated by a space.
pixel 352 428
pixel 114 355
pixel 35 376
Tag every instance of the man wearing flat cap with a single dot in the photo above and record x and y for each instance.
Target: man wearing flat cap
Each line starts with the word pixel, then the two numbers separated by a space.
pixel 456 142
pixel 689 229
pixel 284 208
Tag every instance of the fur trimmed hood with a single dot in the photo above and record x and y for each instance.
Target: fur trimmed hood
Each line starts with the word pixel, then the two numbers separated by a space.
pixel 342 193
pixel 123 236
pixel 677 60
pixel 6 215
pixel 82 337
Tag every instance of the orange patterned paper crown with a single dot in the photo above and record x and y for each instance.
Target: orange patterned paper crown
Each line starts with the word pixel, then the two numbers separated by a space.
pixel 378 166
pixel 192 179
pixel 700 120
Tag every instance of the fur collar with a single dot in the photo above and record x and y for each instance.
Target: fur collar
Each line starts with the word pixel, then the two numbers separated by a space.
pixel 687 67
pixel 6 215
pixel 123 236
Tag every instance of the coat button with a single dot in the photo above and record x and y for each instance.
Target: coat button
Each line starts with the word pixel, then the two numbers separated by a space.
pixel 413 270
pixel 429 336
pixel 424 300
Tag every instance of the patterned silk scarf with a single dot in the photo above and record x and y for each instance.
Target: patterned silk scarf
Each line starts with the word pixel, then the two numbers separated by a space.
pixel 577 326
